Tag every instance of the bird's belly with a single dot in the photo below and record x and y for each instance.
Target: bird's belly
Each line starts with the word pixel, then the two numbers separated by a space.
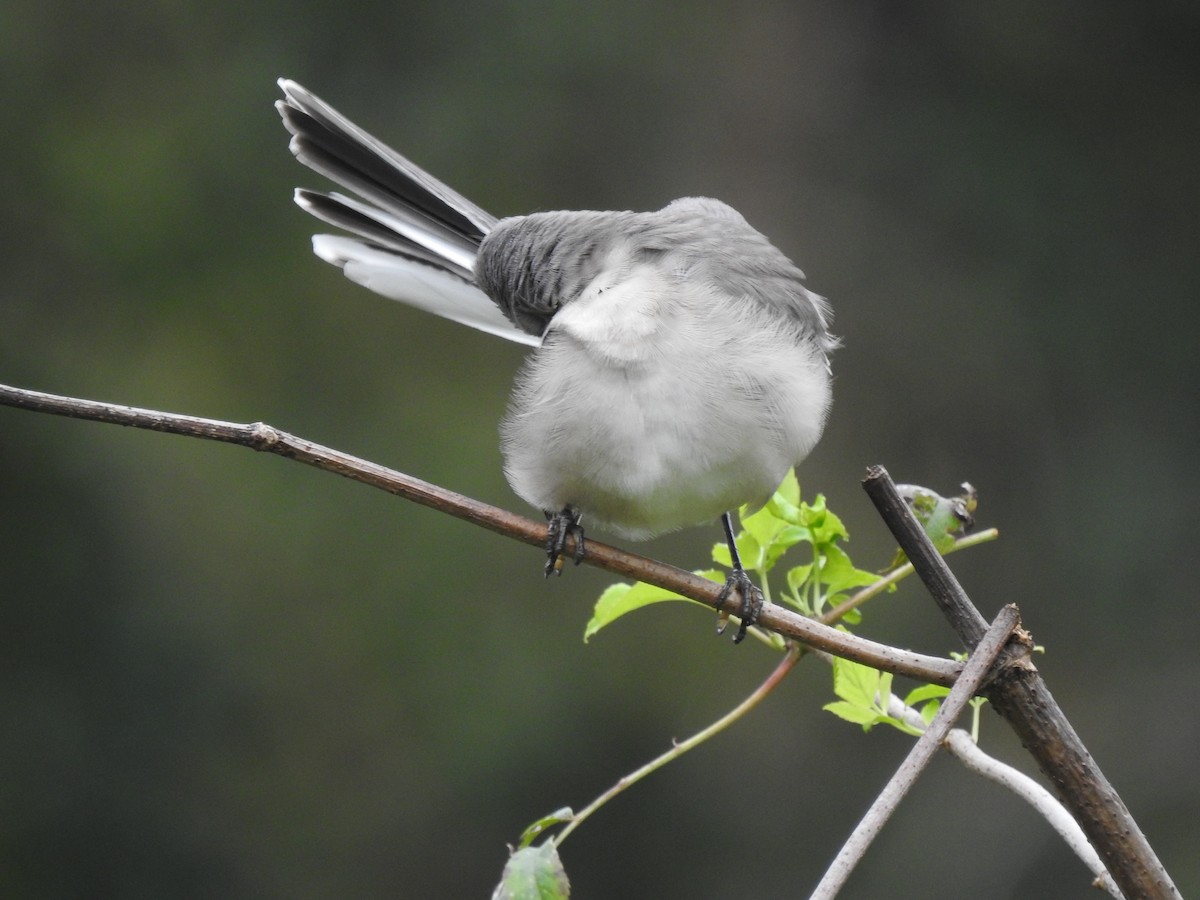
pixel 650 449
pixel 654 458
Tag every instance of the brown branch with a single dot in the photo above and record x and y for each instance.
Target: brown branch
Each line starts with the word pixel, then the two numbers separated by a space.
pixel 265 438
pixel 1020 695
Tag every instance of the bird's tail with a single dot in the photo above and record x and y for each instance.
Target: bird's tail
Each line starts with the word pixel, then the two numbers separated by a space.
pixel 415 238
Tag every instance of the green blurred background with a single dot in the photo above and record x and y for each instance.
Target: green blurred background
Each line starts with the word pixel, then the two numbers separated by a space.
pixel 227 675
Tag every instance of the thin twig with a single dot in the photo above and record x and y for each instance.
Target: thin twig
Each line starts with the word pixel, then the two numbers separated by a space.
pixel 1020 695
pixel 966 751
pixel 677 750
pixel 977 669
pixel 792 655
pixel 897 575
pixel 265 438
pixel 963 747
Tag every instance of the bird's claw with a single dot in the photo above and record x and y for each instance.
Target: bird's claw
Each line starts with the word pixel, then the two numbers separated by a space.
pixel 559 527
pixel 752 602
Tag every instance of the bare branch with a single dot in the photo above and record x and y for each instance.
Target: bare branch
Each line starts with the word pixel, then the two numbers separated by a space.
pixel 265 438
pixel 961 746
pixel 966 751
pixel 977 669
pixel 1022 698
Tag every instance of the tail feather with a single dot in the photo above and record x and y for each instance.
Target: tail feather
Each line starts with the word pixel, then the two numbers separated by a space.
pixel 345 151
pixel 387 230
pixel 417 284
pixel 416 238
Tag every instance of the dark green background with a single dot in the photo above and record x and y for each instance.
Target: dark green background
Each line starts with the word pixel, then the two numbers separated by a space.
pixel 225 675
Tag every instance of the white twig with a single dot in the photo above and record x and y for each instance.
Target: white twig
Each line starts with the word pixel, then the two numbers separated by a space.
pixel 973 675
pixel 960 745
pixel 966 751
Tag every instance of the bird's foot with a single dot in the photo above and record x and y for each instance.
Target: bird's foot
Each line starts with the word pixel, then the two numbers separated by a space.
pixel 752 602
pixel 559 527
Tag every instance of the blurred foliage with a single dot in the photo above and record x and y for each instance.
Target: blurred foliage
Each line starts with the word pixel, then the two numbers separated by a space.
pixel 225 675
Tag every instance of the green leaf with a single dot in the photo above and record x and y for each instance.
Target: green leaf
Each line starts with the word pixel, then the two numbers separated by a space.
pixel 839 573
pixel 619 599
pixel 826 526
pixel 868 718
pixel 762 525
pixel 900 725
pixel 750 551
pixel 865 693
pixel 789 488
pixel 786 499
pixel 884 690
pixel 929 710
pixel 926 692
pixel 534 873
pixel 790 535
pixel 855 683
pixel 796 577
pixel 852 712
pixel 927 698
pixel 786 509
pixel 558 817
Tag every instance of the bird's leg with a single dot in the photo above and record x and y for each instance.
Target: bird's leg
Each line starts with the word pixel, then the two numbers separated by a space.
pixel 738 580
pixel 559 527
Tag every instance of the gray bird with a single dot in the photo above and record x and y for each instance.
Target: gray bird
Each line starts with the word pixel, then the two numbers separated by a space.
pixel 680 366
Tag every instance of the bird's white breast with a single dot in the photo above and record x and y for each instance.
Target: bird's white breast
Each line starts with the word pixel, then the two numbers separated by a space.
pixel 654 404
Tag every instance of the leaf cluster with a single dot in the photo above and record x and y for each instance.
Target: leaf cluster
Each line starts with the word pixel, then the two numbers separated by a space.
pixel 864 694
pixel 824 583
pixel 824 579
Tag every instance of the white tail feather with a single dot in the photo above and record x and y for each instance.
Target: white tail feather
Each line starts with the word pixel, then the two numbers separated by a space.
pixel 418 284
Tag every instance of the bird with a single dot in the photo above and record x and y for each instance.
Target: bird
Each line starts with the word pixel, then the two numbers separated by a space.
pixel 679 366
